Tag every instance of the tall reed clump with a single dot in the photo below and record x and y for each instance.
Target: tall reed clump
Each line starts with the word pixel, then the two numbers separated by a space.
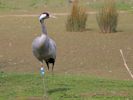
pixel 76 21
pixel 107 17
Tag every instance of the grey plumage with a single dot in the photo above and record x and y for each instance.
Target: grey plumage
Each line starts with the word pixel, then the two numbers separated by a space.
pixel 43 47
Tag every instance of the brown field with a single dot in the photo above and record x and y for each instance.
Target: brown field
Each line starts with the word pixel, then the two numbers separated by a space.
pixel 89 52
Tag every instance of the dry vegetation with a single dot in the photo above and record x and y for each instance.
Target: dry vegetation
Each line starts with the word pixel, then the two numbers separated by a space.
pixel 76 21
pixel 107 17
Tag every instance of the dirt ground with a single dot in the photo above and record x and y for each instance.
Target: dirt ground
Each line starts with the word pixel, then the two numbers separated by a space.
pixel 30 98
pixel 89 52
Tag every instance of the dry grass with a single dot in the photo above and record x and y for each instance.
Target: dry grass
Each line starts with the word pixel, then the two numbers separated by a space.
pixel 107 17
pixel 76 21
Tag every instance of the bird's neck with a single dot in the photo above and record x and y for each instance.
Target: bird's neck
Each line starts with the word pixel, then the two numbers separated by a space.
pixel 44 30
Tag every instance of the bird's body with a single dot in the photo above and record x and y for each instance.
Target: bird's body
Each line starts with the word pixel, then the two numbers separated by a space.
pixel 43 47
pixel 45 44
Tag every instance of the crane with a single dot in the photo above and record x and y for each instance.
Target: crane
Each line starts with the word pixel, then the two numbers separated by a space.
pixel 44 47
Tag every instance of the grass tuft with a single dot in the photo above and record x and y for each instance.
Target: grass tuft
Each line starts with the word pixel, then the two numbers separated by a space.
pixel 76 21
pixel 107 17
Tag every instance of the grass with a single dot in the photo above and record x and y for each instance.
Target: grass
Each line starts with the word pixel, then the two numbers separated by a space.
pixel 76 21
pixel 63 87
pixel 119 4
pixel 124 5
pixel 107 17
pixel 28 6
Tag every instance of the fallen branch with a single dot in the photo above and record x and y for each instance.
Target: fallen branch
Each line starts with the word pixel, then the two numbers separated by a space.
pixel 125 64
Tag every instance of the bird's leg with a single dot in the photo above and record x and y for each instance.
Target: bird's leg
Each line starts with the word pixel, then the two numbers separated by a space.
pixel 52 69
pixel 52 66
pixel 47 64
pixel 53 81
pixel 42 70
pixel 45 95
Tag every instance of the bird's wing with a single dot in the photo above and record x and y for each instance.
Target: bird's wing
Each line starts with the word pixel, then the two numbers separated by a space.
pixel 52 48
pixel 40 47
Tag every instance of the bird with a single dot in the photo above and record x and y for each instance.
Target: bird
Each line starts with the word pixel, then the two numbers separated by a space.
pixel 44 47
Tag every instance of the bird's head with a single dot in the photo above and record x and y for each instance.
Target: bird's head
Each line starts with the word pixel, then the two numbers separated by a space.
pixel 45 15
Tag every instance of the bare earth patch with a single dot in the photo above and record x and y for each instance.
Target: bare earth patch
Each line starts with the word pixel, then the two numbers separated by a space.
pixel 102 94
pixel 29 98
pixel 89 52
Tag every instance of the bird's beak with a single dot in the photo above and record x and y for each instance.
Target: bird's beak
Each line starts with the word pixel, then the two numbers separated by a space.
pixel 52 16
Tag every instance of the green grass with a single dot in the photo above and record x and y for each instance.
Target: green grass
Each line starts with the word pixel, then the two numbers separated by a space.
pixel 15 4
pixel 63 87
pixel 119 4
pixel 52 5
pixel 26 5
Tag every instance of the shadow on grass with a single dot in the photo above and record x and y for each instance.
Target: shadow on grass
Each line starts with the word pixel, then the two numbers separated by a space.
pixel 57 90
pixel 28 98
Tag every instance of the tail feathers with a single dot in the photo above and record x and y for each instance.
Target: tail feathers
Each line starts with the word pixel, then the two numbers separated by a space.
pixel 52 61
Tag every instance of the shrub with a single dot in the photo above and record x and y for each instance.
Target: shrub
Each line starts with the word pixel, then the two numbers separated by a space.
pixel 76 21
pixel 107 17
